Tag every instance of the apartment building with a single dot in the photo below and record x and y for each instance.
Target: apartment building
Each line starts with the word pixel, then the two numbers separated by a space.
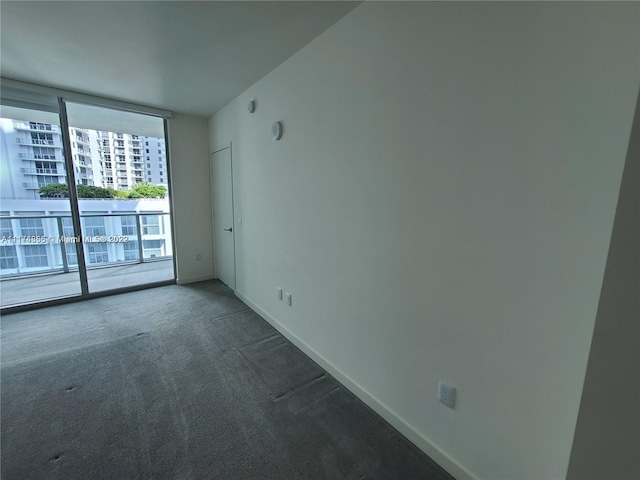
pixel 156 160
pixel 32 157
pixel 123 158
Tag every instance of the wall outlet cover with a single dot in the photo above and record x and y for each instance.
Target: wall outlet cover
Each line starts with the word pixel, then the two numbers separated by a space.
pixel 447 394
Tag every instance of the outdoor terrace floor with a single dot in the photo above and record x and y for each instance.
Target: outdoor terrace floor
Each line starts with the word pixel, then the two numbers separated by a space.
pixel 36 288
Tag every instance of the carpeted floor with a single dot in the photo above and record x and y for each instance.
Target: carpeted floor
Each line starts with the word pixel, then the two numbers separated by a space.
pixel 181 382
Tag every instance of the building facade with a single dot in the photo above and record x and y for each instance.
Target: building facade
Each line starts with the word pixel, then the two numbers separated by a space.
pixel 37 236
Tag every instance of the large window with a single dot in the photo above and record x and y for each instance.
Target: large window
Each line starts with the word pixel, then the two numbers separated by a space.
pixel 150 225
pixel 6 230
pixel 129 225
pixel 97 252
pixel 44 153
pixel 8 257
pixel 35 255
pixel 99 154
pixel 40 126
pixel 94 226
pixel 31 227
pixel 131 250
pixel 47 167
pixel 38 138
pixel 152 248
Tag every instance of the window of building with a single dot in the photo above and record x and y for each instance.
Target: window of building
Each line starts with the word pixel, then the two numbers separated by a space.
pixel 39 138
pixel 93 226
pixel 6 229
pixel 31 227
pixel 152 248
pixel 150 225
pixel 67 231
pixel 44 153
pixel 44 181
pixel 35 255
pixel 97 252
pixel 131 250
pixel 46 167
pixel 8 257
pixel 39 126
pixel 129 226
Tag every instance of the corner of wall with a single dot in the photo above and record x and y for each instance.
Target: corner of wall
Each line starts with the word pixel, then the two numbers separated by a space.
pixel 607 436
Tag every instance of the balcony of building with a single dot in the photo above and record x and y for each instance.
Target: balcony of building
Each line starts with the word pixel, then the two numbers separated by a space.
pixel 42 171
pixel 38 142
pixel 38 157
pixel 36 127
pixel 49 286
pixel 38 254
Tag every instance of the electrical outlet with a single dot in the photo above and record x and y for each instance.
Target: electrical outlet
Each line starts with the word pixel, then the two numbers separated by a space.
pixel 288 298
pixel 279 292
pixel 197 257
pixel 447 394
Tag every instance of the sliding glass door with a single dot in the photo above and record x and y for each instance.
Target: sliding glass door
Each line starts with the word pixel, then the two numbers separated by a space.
pixel 84 201
pixel 120 164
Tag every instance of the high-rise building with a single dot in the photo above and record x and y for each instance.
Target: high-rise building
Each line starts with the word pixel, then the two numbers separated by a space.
pixel 31 157
pixel 86 157
pixel 122 159
pixel 156 161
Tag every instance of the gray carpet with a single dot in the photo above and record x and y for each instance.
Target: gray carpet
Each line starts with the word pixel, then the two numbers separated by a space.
pixel 181 382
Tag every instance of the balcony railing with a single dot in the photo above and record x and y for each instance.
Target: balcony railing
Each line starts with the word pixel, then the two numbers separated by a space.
pixel 31 156
pixel 42 127
pixel 37 141
pixel 108 239
pixel 42 171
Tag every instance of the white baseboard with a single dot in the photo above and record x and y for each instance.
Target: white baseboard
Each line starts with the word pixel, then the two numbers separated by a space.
pixel 422 442
pixel 199 278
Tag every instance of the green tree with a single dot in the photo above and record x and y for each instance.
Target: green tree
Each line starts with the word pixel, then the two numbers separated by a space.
pixel 147 190
pixel 54 190
pixel 58 190
pixel 89 191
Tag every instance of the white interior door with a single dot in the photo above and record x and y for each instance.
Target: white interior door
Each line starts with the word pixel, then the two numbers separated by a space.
pixel 223 231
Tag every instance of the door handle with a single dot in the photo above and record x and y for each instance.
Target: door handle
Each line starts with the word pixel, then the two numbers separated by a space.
pixel 228 229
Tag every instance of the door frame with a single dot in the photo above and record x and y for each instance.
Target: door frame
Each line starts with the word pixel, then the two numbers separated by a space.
pixel 219 149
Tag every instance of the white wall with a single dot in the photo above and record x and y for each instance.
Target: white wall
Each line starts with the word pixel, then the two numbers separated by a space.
pixel 191 197
pixel 440 206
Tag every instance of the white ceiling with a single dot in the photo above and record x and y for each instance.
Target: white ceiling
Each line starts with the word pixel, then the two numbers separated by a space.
pixel 190 57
